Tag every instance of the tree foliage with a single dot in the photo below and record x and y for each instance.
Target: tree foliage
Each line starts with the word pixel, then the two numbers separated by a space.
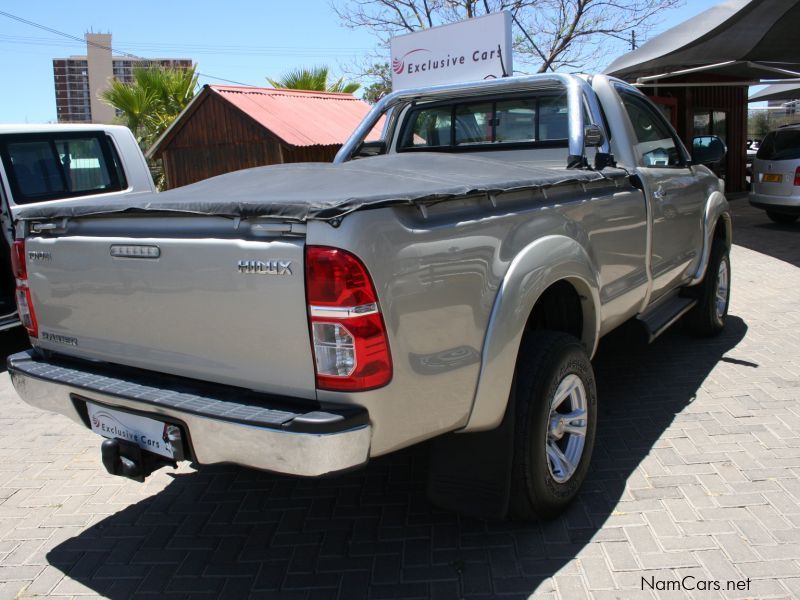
pixel 150 103
pixel 381 77
pixel 314 79
pixel 548 34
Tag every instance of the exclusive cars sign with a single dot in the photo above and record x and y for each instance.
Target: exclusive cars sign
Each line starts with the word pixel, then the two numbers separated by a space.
pixel 467 51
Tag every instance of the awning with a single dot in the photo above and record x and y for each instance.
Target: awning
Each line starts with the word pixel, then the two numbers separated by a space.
pixel 746 39
pixel 779 91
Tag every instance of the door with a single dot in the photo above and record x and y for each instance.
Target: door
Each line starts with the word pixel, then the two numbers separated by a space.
pixel 675 192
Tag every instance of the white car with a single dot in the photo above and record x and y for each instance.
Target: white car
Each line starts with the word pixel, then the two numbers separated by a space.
pixel 776 175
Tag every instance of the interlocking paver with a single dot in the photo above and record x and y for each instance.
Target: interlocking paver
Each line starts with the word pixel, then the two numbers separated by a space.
pixel 696 473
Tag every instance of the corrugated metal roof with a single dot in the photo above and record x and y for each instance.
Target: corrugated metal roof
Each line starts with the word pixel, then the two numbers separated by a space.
pixel 298 117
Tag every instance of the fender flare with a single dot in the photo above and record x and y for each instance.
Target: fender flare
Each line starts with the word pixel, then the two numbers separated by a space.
pixel 717 211
pixel 538 266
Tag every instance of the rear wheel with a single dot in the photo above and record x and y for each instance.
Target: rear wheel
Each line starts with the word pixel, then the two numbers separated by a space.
pixel 782 218
pixel 556 418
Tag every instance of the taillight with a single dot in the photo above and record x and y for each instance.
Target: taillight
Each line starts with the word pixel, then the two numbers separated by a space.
pixel 23 295
pixel 348 335
pixel 18 265
pixel 797 176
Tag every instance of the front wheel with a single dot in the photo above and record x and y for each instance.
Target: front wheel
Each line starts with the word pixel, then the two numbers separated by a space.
pixel 555 422
pixel 707 318
pixel 781 218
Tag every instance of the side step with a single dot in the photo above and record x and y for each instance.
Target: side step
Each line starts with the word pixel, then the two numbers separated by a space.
pixel 665 314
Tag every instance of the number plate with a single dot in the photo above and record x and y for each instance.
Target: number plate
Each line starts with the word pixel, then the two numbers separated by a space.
pixel 148 434
pixel 772 178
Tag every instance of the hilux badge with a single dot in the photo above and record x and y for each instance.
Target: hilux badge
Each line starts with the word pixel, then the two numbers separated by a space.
pixel 265 267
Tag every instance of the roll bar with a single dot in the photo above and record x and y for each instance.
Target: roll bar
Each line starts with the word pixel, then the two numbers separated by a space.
pixel 579 95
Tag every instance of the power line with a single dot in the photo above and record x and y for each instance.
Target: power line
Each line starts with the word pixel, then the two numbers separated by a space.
pixel 101 46
pixel 237 50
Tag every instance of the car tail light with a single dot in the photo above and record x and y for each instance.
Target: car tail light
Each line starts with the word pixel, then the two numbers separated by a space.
pixel 797 176
pixel 23 295
pixel 348 335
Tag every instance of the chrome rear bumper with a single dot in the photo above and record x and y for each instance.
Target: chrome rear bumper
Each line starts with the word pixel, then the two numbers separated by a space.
pixel 222 424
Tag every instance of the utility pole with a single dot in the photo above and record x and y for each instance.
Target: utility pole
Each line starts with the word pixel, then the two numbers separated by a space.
pixel 633 40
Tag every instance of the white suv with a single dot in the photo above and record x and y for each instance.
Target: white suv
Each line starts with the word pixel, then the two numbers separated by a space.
pixel 776 175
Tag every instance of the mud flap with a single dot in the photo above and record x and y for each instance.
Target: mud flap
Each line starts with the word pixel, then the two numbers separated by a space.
pixel 470 473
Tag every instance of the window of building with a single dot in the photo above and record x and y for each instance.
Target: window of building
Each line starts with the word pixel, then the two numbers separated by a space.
pixel 710 122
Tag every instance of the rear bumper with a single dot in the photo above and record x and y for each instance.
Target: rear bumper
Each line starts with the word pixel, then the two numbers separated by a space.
pixel 784 204
pixel 221 424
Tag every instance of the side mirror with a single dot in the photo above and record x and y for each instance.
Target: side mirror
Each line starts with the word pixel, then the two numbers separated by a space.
pixel 367 149
pixel 708 150
pixel 593 136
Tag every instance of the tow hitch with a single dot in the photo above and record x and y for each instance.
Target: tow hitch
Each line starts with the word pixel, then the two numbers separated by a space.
pixel 129 460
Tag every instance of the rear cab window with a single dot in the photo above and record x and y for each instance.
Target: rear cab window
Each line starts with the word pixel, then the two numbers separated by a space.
pixel 56 166
pixel 487 124
pixel 783 144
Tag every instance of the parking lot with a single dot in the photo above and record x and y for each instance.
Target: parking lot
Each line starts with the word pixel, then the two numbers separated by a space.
pixel 695 478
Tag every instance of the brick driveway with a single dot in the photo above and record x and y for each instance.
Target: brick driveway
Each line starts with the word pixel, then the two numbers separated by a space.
pixel 696 473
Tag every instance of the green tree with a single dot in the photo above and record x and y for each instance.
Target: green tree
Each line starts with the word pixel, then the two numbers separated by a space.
pixel 314 79
pixel 150 103
pixel 380 76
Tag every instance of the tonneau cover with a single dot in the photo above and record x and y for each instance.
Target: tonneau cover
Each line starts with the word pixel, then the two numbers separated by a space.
pixel 324 191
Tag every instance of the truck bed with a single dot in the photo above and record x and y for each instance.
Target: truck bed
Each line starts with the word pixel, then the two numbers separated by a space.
pixel 330 191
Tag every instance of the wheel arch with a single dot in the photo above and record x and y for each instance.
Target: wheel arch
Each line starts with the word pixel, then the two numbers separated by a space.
pixel 551 263
pixel 716 225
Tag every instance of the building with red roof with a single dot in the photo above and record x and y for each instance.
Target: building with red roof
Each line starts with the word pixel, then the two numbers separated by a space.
pixel 226 128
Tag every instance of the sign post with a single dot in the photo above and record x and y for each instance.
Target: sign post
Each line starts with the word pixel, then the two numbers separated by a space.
pixel 470 50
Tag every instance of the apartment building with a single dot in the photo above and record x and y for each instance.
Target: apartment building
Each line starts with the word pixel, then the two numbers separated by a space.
pixel 79 80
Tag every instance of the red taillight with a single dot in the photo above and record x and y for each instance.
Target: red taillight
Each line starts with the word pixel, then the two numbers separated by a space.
pixel 797 176
pixel 348 335
pixel 18 260
pixel 24 301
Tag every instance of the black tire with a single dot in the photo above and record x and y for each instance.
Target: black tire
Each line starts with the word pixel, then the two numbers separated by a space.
pixel 705 320
pixel 781 218
pixel 545 360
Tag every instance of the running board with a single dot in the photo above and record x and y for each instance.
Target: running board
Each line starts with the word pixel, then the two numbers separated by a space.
pixel 665 314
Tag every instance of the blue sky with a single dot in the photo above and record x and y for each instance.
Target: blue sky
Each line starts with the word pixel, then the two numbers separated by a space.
pixel 231 39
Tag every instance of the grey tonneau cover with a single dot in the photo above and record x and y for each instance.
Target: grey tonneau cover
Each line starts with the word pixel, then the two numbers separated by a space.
pixel 324 191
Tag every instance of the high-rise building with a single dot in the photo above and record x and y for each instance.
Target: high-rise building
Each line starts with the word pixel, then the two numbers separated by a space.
pixel 79 80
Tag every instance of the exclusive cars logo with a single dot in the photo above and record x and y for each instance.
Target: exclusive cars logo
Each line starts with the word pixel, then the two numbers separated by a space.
pixel 448 61
pixel 399 64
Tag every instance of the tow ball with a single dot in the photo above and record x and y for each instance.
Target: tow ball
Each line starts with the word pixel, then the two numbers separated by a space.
pixel 126 459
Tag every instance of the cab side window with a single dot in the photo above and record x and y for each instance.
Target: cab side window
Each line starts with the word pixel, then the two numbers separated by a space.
pixel 655 144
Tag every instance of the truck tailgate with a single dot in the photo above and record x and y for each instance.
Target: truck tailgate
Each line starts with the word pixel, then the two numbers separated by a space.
pixel 195 310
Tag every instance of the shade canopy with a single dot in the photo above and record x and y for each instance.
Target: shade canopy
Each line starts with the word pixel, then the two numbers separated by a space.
pixel 746 39
pixel 779 91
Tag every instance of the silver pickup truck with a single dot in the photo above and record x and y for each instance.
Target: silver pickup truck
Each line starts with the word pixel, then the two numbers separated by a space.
pixel 449 282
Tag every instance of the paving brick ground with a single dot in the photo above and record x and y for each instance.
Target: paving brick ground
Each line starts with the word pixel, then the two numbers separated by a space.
pixel 696 474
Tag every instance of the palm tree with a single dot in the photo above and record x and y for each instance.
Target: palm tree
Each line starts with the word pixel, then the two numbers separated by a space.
pixel 150 103
pixel 314 79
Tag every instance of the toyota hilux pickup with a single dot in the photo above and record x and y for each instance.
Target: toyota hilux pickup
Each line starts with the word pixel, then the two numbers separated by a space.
pixel 449 282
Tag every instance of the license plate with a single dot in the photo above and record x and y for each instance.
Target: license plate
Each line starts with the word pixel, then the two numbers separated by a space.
pixel 772 178
pixel 148 434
